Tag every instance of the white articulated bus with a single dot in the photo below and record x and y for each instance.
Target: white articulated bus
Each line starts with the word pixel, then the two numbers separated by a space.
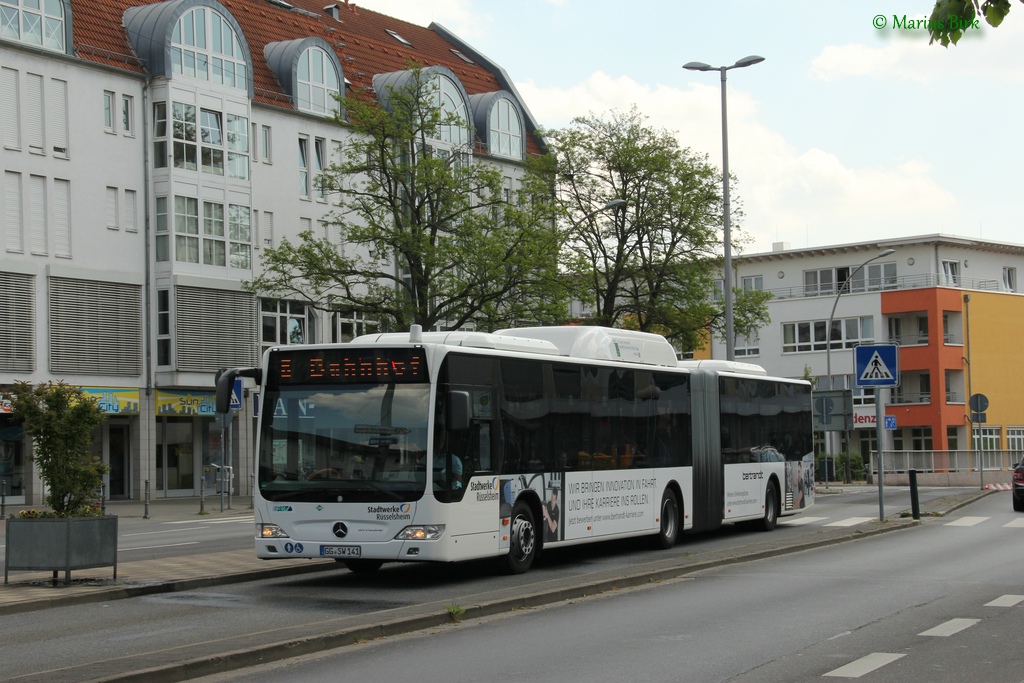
pixel 447 446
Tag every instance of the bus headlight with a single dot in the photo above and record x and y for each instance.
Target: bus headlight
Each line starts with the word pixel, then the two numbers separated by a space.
pixel 427 532
pixel 272 531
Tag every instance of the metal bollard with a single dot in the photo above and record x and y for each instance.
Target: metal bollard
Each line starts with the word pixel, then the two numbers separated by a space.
pixel 145 506
pixel 103 499
pixel 3 498
pixel 202 494
pixel 252 489
pixel 915 503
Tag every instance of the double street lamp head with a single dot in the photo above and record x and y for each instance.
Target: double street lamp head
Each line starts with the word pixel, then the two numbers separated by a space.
pixel 701 66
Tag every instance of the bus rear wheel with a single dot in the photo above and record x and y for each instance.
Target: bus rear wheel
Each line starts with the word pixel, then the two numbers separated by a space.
pixel 522 540
pixel 668 534
pixel 771 508
pixel 363 566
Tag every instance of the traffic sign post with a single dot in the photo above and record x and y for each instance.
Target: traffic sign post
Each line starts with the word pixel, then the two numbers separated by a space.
pixel 878 365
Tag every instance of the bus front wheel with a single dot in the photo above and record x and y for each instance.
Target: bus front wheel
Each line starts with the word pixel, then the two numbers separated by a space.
pixel 668 534
pixel 363 566
pixel 522 540
pixel 771 508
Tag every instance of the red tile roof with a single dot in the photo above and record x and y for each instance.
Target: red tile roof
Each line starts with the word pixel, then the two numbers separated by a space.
pixel 358 35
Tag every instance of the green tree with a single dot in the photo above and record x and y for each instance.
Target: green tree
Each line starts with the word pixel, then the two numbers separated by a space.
pixel 950 18
pixel 651 265
pixel 60 419
pixel 425 232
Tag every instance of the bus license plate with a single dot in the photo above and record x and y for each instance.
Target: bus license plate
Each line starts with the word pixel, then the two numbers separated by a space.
pixel 340 551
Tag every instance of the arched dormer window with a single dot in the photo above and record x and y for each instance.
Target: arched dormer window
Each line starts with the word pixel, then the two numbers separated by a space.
pixel 318 82
pixel 44 23
pixel 505 132
pixel 204 45
pixel 450 98
pixel 499 119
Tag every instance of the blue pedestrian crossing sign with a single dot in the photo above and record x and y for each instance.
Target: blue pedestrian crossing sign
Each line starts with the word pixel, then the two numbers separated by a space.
pixel 236 394
pixel 877 365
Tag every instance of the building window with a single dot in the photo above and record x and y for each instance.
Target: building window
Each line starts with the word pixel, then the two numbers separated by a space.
pixel 810 335
pixel 752 283
pixel 36 22
pixel 1015 440
pixel 186 229
pixel 127 115
pixel 214 247
pixel 303 166
pixel 873 277
pixel 347 324
pixel 212 137
pixel 286 322
pixel 819 282
pixel 37 214
pixel 14 230
pixel 238 147
pixel 184 131
pixel 109 121
pixel 319 156
pixel 204 46
pixel 952 438
pixel 163 326
pixel 35 113
pixel 506 130
pixel 318 82
pixel 112 208
pixel 58 111
pixel 159 134
pixel 747 345
pixel 130 211
pixel 921 438
pixel 266 141
pixel 986 439
pixel 1009 279
pixel 454 114
pixel 239 237
pixel 62 218
pixel 951 273
pixel 161 245
pixel 268 228
pixel 10 106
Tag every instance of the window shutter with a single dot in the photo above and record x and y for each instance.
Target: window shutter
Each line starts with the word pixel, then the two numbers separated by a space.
pixel 95 327
pixel 59 114
pixel 14 230
pixel 17 335
pixel 34 110
pixel 37 213
pixel 214 329
pixel 62 218
pixel 10 107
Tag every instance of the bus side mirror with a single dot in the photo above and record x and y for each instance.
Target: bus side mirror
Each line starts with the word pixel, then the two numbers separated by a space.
pixel 458 410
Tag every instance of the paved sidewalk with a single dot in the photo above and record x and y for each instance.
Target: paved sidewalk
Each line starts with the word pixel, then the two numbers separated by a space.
pixel 28 591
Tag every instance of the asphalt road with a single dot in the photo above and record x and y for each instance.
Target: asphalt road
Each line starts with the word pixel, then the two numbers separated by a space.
pixel 940 603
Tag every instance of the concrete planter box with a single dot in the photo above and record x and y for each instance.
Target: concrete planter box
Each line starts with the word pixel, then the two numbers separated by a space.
pixel 61 544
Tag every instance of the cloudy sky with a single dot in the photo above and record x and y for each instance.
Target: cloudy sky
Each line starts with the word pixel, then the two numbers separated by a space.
pixel 846 132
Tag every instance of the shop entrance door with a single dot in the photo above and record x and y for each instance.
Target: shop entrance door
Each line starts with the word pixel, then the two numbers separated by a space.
pixel 119 459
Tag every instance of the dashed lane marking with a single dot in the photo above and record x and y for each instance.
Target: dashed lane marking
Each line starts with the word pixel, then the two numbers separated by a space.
pixel 800 521
pixel 1005 601
pixel 950 627
pixel 864 665
pixel 851 521
pixel 967 521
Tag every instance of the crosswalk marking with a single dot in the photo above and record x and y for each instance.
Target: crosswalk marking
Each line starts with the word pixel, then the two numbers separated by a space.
pixel 864 665
pixel 1015 524
pixel 800 521
pixel 950 627
pixel 967 521
pixel 851 521
pixel 1005 601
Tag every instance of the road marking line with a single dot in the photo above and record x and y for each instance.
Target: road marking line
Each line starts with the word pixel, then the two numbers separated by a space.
pixel 165 531
pixel 1005 601
pixel 1017 523
pixel 950 627
pixel 800 521
pixel 852 521
pixel 864 665
pixel 153 547
pixel 967 521
pixel 246 520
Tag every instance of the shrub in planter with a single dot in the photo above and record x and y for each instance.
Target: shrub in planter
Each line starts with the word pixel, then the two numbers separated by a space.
pixel 60 420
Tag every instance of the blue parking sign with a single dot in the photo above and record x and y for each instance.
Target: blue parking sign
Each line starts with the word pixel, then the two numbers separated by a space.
pixel 890 422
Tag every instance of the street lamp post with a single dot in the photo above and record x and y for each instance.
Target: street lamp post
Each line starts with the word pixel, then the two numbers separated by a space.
pixel 730 341
pixel 828 338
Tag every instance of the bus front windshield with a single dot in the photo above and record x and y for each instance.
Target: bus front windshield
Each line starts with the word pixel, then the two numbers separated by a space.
pixel 344 443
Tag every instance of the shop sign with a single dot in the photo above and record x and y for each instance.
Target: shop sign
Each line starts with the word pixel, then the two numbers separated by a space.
pixel 115 400
pixel 186 403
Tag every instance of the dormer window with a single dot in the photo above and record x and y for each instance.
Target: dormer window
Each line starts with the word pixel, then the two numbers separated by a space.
pixel 35 22
pixel 204 46
pixel 318 82
pixel 506 130
pixel 399 38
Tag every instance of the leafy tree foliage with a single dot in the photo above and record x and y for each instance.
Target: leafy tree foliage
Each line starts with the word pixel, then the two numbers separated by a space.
pixel 425 233
pixel 60 420
pixel 652 264
pixel 949 18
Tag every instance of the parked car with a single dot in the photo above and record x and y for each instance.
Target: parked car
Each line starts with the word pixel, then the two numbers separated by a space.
pixel 1018 487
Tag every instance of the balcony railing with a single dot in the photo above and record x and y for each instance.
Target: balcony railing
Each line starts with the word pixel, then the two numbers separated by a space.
pixel 905 397
pixel 888 284
pixel 949 461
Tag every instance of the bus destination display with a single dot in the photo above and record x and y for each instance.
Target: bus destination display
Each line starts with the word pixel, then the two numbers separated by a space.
pixel 347 365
